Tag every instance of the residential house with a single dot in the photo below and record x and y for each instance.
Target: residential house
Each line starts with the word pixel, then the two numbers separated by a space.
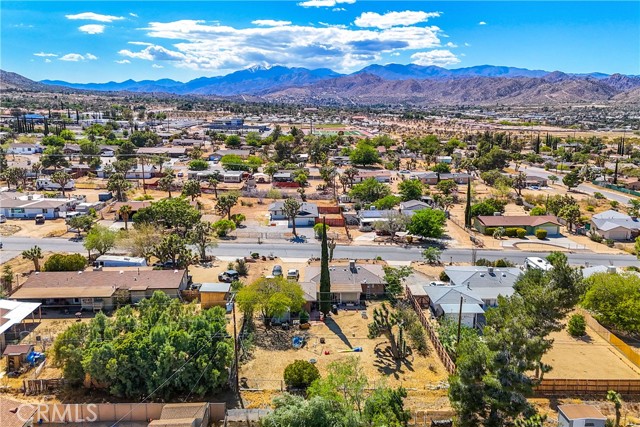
pixel 135 206
pixel 12 314
pixel 350 283
pixel 485 283
pixel 411 206
pixel 108 150
pixel 214 294
pixel 232 176
pixel 615 225
pixel 173 152
pixel 196 143
pixel 28 206
pixel 140 172
pixel 306 216
pixel 283 177
pixel 634 185
pixel 549 223
pixel 534 180
pixel 380 176
pixel 432 178
pixel 580 415
pixel 444 301
pixel 99 289
pixel 444 159
pixel 340 160
pixel 367 218
pixel 25 149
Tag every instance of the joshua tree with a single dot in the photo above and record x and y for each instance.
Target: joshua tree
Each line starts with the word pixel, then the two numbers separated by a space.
pixel 383 324
pixel 291 208
pixel 34 254
pixel 615 398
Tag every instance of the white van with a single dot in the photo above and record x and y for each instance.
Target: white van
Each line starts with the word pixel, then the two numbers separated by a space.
pixel 48 185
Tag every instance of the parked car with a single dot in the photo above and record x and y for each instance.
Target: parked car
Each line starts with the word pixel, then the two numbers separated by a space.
pixel 228 276
pixel 40 219
pixel 166 264
pixel 293 274
pixel 3 218
pixel 277 271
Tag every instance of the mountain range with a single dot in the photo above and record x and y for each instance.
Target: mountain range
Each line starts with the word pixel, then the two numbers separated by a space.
pixel 381 84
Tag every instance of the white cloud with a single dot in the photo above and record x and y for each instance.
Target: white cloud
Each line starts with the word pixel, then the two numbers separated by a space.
pixel 156 66
pixel 92 29
pixel 200 45
pixel 270 23
pixel 123 61
pixel 482 23
pixel 439 57
pixel 395 54
pixel 326 24
pixel 467 44
pixel 43 54
pixel 90 16
pixel 393 19
pixel 135 15
pixel 141 43
pixel 76 57
pixel 338 9
pixel 47 60
pixel 324 3
pixel 451 44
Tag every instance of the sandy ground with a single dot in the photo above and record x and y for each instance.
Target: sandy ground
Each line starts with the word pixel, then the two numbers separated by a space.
pixel 28 228
pixel 348 329
pixel 590 357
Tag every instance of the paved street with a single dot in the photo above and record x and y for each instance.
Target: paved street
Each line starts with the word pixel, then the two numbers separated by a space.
pixel 14 245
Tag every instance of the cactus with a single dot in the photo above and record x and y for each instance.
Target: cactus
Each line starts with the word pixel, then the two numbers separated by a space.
pixel 383 324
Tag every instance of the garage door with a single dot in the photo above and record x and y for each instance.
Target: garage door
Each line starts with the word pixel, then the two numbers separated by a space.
pixel 616 234
pixel 552 230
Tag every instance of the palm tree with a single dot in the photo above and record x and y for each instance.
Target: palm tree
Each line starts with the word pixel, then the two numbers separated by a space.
pixel 615 398
pixel 125 212
pixel 34 254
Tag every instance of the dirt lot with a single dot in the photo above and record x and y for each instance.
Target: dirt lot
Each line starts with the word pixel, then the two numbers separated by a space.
pixel 28 228
pixel 590 357
pixel 423 376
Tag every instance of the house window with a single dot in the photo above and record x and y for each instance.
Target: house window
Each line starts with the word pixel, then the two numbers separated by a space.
pixel 17 210
pixel 44 211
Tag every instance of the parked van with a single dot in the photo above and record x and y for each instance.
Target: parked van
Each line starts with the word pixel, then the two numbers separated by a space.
pixel 48 185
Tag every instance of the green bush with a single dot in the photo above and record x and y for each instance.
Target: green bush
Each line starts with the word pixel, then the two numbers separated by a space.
pixel 610 242
pixel 483 262
pixel 521 232
pixel 511 231
pixel 443 276
pixel 489 231
pixel 317 230
pixel 577 326
pixel 541 234
pixel 300 374
pixel 241 267
pixel 304 317
pixel 595 237
pixel 60 262
pixel 598 195
pixel 590 208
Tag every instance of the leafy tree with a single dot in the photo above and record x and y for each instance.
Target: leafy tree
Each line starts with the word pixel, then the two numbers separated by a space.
pixel 490 177
pixel 634 208
pixel 174 213
pixel 447 186
pixel 555 204
pixel 291 208
pixel 385 407
pixel 344 384
pixel 571 180
pixel 325 276
pixel 487 207
pixel 537 211
pixel 441 168
pixel 571 213
pixel 296 411
pixel 54 157
pixel 119 186
pixel 53 141
pixel 428 223
pixel 364 154
pixel 432 255
pixel 387 202
pixel 144 139
pixel 271 296
pixel 410 189
pixel 369 190
pixel 126 151
pixel 167 182
pixel 125 213
pixel 141 240
pixel 34 255
pixel 163 346
pixel 394 278
pixel 615 300
pixel 238 219
pixel 202 236
pixel 637 247
pixel 80 223
pixel 67 135
pixel 270 169
pixel 225 203
pixel 173 248
pixel 300 374
pixel 191 188
pixel 223 227
pixel 394 222
pixel 90 153
pixel 233 141
pixel 198 165
pixel 100 239
pixel 61 262
pixel 494 159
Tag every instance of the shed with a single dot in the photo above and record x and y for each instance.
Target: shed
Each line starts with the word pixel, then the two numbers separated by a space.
pixel 214 294
pixel 580 415
pixel 16 355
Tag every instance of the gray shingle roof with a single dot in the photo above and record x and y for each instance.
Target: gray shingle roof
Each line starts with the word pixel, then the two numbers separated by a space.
pixel 479 277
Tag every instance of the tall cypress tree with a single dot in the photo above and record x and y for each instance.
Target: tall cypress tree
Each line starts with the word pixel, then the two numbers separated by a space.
pixel 325 279
pixel 467 208
pixel 615 173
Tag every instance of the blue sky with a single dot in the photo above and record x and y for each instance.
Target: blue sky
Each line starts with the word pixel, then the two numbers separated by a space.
pixel 101 41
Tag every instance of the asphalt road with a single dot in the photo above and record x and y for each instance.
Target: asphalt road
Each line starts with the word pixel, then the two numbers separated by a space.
pixel 14 245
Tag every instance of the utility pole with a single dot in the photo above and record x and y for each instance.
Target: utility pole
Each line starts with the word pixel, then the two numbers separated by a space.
pixel 459 320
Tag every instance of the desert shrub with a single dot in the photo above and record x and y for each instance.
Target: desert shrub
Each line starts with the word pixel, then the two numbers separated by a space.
pixel 598 195
pixel 541 234
pixel 443 276
pixel 300 374
pixel 590 208
pixel 60 262
pixel 595 237
pixel 503 263
pixel 519 201
pixel 521 232
pixel 483 262
pixel 537 211
pixel 317 230
pixel 241 267
pixel 304 317
pixel 610 242
pixel 511 231
pixel 274 194
pixel 577 326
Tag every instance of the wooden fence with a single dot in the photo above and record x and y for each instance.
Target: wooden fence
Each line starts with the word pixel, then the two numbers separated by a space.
pixel 581 387
pixel 629 352
pixel 38 386
pixel 433 336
